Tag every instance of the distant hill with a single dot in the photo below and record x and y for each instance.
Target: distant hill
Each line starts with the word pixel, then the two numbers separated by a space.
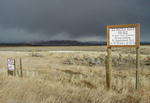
pixel 55 43
pixel 66 43
pixel 145 43
pixel 60 43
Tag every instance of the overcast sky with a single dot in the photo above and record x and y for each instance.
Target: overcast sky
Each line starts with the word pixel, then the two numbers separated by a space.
pixel 85 20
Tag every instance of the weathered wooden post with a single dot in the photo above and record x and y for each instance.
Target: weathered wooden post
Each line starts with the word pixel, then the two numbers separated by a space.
pixel 108 69
pixel 21 72
pixel 138 58
pixel 137 67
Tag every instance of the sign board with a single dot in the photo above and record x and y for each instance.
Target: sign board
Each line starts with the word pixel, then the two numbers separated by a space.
pixel 123 35
pixel 11 64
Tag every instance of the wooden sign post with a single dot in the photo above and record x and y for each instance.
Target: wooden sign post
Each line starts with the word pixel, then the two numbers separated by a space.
pixel 122 36
pixel 108 69
pixel 11 66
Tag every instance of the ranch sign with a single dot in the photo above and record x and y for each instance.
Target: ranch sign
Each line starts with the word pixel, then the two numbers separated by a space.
pixel 123 35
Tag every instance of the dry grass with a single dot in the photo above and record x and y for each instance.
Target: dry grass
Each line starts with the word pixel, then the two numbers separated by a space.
pixel 48 80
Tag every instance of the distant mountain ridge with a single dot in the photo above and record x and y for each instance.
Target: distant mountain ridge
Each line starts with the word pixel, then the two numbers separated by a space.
pixel 54 43
pixel 61 43
pixel 67 43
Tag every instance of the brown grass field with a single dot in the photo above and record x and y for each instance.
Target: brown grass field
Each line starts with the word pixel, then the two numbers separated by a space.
pixel 73 74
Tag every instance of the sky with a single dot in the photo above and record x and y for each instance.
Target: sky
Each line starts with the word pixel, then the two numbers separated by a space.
pixel 83 20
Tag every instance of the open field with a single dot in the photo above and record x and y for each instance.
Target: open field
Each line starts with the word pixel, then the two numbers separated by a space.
pixel 58 48
pixel 73 75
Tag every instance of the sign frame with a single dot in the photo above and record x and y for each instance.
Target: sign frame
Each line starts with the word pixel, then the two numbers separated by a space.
pixel 137 38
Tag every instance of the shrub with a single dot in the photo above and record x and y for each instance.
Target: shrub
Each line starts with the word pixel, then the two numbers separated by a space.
pixel 117 60
pixel 35 54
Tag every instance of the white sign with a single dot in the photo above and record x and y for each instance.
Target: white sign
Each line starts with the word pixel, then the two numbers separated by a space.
pixel 11 64
pixel 122 36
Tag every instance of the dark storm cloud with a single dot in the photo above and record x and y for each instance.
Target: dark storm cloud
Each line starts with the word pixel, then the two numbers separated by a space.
pixel 22 20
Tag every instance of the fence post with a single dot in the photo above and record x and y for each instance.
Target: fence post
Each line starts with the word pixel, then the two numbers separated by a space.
pixel 21 72
pixel 108 69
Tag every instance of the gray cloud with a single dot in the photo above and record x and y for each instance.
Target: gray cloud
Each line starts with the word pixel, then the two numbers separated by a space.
pixel 26 20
